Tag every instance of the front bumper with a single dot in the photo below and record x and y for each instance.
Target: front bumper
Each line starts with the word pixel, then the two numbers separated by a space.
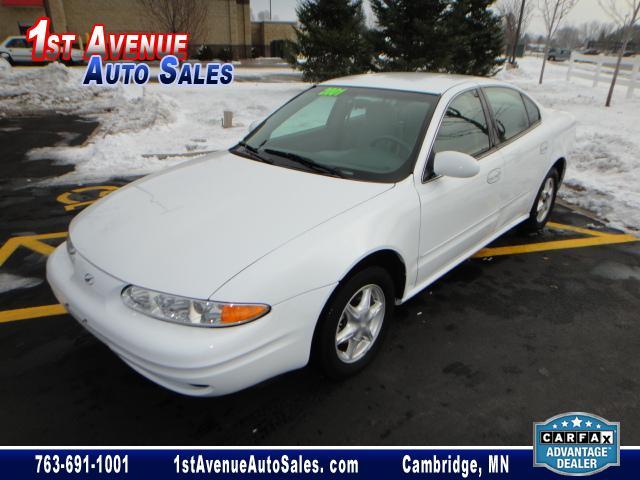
pixel 189 360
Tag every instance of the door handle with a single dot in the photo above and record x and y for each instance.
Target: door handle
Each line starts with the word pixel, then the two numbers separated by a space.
pixel 494 175
pixel 544 147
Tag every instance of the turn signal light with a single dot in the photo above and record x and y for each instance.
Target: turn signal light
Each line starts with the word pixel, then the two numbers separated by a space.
pixel 231 314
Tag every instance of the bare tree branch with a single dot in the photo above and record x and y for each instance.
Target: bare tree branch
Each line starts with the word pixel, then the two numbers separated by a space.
pixel 595 30
pixel 509 10
pixel 625 13
pixel 621 11
pixel 178 16
pixel 553 13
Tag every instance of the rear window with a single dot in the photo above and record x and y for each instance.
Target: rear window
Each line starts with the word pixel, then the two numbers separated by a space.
pixel 508 111
pixel 532 110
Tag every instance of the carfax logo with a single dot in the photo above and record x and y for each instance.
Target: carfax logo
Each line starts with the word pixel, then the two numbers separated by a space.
pixel 576 443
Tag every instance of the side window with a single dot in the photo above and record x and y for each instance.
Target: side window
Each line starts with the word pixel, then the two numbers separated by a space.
pixel 314 115
pixel 17 43
pixel 508 110
pixel 464 126
pixel 532 110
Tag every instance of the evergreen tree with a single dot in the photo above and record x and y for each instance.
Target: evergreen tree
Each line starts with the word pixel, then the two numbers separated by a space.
pixel 411 34
pixel 455 36
pixel 475 36
pixel 332 38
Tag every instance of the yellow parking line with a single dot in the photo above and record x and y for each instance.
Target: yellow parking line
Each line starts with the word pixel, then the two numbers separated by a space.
pixel 32 242
pixel 609 239
pixel 31 312
pixel 70 204
pixel 586 231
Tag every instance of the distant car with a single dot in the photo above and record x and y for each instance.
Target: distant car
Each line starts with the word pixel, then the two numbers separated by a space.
pixel 559 54
pixel 591 51
pixel 299 241
pixel 628 53
pixel 17 51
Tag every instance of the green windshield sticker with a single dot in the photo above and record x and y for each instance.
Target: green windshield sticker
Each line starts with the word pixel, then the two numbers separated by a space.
pixel 332 92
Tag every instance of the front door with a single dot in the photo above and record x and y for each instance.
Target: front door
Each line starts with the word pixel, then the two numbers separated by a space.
pixel 458 214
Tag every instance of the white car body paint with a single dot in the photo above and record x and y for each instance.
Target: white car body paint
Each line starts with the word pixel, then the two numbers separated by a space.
pixel 231 229
pixel 244 208
pixel 22 55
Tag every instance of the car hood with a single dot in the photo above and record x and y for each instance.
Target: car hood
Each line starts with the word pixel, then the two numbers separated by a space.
pixel 189 229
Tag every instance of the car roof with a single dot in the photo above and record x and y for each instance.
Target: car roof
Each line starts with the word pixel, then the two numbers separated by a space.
pixel 435 83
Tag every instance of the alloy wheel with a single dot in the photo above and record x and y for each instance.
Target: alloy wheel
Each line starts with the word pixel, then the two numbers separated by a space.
pixel 545 200
pixel 360 323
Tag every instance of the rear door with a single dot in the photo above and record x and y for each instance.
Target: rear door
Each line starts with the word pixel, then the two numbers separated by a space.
pixel 458 214
pixel 523 146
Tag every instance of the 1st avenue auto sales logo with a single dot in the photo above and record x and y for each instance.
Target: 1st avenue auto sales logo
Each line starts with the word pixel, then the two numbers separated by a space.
pixel 576 443
pixel 122 54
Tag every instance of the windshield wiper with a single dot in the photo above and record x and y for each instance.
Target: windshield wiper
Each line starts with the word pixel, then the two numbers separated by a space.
pixel 253 152
pixel 307 162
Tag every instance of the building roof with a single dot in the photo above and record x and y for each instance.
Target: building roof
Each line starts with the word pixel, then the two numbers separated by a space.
pixel 436 83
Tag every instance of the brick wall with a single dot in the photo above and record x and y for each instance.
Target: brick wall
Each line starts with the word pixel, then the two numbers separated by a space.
pixel 11 16
pixel 263 34
pixel 228 22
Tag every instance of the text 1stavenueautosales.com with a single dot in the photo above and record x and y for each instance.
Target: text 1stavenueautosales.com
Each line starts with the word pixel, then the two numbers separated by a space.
pixel 283 464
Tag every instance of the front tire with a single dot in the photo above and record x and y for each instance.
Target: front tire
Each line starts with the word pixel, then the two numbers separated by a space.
pixel 353 323
pixel 543 204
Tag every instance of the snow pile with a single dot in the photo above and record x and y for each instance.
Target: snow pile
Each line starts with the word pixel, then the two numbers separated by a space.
pixel 56 88
pixel 10 282
pixel 143 130
pixel 116 150
pixel 603 175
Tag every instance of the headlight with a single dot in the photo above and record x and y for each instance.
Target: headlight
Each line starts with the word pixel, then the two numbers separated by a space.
pixel 188 311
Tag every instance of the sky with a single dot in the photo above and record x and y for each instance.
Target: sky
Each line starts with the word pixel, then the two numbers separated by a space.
pixel 584 11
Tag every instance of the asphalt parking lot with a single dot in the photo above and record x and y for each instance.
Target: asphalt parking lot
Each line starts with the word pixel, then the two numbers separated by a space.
pixel 531 327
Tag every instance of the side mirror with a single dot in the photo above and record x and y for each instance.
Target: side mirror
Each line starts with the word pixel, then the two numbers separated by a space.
pixel 455 164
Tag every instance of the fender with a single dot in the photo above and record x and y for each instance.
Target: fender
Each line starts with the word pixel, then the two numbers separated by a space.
pixel 325 254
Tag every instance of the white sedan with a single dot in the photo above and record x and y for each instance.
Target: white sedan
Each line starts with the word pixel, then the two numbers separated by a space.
pixel 17 51
pixel 298 242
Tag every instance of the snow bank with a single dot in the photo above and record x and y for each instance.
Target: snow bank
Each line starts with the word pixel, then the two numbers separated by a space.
pixel 56 88
pixel 603 174
pixel 10 282
pixel 196 128
pixel 144 129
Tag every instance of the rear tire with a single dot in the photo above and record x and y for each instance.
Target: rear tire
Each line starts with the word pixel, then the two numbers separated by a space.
pixel 543 204
pixel 8 59
pixel 353 323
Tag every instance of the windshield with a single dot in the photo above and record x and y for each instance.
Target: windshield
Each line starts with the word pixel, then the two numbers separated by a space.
pixel 359 133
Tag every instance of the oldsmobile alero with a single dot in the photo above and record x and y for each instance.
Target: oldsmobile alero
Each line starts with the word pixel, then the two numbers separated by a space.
pixel 298 242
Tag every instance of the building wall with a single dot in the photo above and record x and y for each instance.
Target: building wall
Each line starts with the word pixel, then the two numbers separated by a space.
pixel 279 31
pixel 115 15
pixel 266 32
pixel 11 16
pixel 227 26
